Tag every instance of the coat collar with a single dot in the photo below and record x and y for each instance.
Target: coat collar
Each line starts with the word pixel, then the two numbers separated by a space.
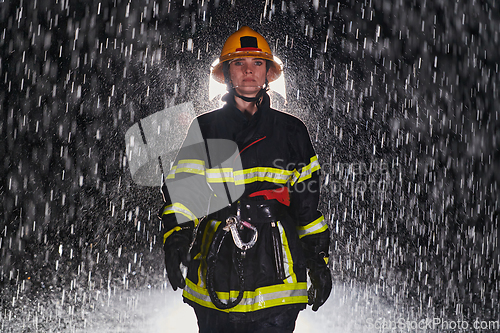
pixel 248 129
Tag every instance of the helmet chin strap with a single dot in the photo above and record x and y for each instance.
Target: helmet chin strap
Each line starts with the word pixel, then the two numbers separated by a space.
pixel 250 99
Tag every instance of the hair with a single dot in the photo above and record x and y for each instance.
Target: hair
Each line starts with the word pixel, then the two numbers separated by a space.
pixel 225 71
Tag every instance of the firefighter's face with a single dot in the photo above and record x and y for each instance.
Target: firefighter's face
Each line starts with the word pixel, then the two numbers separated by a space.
pixel 248 75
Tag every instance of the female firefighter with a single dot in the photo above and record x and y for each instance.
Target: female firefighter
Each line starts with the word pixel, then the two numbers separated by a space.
pixel 243 217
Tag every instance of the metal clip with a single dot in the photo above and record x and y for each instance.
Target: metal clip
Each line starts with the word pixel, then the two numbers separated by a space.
pixel 233 223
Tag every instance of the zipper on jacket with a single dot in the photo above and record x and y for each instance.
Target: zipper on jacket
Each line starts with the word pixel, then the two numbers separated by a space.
pixel 278 252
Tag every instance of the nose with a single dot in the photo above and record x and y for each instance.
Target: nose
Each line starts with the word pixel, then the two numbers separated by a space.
pixel 247 69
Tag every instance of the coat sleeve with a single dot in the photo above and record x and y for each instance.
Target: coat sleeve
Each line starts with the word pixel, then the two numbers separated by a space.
pixel 312 227
pixel 200 181
pixel 186 191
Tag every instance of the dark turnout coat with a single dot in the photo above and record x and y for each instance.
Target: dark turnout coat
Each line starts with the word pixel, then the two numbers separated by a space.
pixel 273 151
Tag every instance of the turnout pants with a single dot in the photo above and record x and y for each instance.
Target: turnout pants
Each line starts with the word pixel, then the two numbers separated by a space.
pixel 213 321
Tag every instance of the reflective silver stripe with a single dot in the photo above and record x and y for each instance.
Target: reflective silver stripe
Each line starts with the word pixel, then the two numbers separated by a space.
pixel 171 173
pixel 245 176
pixel 306 171
pixel 273 175
pixel 240 177
pixel 315 227
pixel 206 241
pixel 220 175
pixel 295 177
pixel 265 297
pixel 180 209
pixel 193 166
pixel 287 257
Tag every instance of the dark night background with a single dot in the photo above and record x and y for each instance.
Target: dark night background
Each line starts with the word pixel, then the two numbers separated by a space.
pixel 401 99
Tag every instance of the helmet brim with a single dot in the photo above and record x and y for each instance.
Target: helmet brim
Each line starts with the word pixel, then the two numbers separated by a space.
pixel 274 70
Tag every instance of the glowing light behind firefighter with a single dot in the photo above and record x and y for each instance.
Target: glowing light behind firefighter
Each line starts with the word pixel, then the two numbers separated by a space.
pixel 218 89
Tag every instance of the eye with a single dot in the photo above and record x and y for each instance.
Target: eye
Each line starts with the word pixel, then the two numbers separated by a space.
pixel 259 63
pixel 238 63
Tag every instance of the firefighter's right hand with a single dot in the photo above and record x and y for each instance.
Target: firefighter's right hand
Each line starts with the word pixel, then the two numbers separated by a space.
pixel 321 280
pixel 176 252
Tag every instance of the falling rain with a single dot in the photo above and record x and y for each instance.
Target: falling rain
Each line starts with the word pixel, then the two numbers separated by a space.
pixel 402 95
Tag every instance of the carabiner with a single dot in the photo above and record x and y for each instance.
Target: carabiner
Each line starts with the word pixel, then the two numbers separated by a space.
pixel 233 223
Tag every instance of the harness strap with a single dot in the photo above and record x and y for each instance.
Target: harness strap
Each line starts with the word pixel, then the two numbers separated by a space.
pixel 246 212
pixel 212 256
pixel 254 210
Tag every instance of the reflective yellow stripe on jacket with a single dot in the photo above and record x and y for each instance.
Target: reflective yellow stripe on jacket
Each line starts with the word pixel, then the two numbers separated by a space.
pixel 261 174
pixel 178 208
pixel 192 166
pixel 245 176
pixel 229 175
pixel 287 257
pixel 261 298
pixel 220 175
pixel 315 227
pixel 306 171
pixel 208 235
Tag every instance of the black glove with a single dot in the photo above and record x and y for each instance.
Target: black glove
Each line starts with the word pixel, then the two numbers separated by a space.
pixel 321 280
pixel 315 248
pixel 176 252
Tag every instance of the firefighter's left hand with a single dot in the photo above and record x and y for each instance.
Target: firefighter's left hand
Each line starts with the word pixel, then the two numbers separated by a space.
pixel 321 280
pixel 176 252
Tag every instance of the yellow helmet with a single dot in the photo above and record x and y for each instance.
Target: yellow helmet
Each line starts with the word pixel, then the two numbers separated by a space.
pixel 246 43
